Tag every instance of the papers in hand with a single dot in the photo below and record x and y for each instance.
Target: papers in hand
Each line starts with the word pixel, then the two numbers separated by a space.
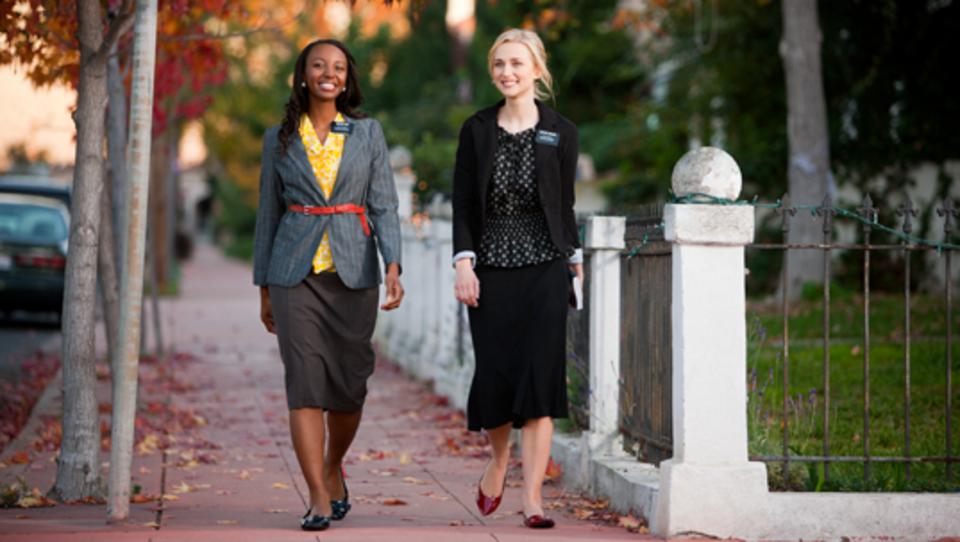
pixel 577 293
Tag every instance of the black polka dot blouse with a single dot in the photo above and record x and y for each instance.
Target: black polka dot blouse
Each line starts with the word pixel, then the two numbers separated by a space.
pixel 515 233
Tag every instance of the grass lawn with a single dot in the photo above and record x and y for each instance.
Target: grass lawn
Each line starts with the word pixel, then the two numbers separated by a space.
pixel 887 384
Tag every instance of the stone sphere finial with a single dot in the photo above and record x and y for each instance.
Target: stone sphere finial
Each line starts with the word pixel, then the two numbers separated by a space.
pixel 707 170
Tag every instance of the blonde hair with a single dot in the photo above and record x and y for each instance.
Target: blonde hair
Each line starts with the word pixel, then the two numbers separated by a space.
pixel 543 88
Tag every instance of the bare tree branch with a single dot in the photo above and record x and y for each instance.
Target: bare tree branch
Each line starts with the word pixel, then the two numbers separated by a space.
pixel 120 23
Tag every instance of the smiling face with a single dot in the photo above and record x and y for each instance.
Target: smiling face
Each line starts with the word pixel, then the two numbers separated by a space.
pixel 325 72
pixel 513 70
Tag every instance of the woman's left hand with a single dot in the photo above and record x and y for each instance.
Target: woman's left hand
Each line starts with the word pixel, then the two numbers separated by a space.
pixel 578 269
pixel 393 286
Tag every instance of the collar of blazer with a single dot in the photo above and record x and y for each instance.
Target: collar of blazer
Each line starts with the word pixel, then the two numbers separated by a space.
pixel 547 170
pixel 297 154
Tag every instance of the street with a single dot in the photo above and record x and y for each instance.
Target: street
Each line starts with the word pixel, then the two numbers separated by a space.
pixel 22 335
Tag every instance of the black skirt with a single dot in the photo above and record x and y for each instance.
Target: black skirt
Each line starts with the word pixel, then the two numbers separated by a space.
pixel 324 330
pixel 519 335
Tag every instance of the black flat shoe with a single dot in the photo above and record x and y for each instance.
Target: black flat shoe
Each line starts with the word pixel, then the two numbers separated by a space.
pixel 342 506
pixel 314 522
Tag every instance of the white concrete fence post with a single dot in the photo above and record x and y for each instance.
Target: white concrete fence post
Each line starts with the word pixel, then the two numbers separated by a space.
pixel 604 238
pixel 709 482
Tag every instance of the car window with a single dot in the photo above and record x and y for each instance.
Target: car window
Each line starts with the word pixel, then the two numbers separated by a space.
pixel 20 222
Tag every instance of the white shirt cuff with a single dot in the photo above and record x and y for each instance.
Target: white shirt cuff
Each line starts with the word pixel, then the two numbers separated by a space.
pixel 465 254
pixel 577 256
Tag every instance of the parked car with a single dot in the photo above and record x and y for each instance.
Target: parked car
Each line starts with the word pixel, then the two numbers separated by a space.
pixel 33 252
pixel 35 185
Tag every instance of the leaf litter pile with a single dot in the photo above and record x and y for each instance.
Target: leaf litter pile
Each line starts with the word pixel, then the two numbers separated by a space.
pixel 18 397
pixel 158 428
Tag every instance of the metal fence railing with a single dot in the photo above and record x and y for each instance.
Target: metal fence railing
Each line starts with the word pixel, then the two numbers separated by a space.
pixel 866 217
pixel 878 347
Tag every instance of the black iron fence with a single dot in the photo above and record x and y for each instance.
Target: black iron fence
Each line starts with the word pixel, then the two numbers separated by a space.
pixel 787 421
pixel 867 218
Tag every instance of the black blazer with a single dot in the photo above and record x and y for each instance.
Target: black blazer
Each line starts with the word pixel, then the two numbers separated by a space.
pixel 555 166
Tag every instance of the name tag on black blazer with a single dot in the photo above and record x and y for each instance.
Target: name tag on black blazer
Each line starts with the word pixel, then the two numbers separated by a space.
pixel 341 127
pixel 546 137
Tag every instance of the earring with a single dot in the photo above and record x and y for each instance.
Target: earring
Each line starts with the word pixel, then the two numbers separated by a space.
pixel 303 84
pixel 344 89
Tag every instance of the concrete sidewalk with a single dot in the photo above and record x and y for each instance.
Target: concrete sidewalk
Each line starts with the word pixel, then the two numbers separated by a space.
pixel 214 459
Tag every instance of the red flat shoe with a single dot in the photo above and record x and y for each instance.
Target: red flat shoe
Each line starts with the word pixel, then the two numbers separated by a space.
pixel 488 505
pixel 537 521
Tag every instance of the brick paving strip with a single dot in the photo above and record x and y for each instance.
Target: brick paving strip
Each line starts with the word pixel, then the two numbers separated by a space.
pixel 215 457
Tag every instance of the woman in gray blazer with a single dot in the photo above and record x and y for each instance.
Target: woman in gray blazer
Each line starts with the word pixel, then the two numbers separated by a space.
pixel 327 204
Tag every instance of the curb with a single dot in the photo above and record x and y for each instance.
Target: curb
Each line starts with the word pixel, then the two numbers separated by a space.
pixel 45 403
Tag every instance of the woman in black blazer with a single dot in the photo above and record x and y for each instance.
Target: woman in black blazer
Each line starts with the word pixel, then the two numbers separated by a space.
pixel 515 247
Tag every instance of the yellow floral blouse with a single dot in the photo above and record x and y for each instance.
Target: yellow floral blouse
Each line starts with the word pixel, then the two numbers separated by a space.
pixel 325 162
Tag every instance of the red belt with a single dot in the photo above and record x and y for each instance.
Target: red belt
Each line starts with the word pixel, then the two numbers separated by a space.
pixel 346 208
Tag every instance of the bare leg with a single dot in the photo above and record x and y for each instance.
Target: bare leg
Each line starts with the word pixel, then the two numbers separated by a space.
pixel 535 450
pixel 492 481
pixel 307 431
pixel 342 428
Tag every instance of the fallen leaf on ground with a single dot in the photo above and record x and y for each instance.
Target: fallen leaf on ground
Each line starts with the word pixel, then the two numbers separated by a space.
pixel 435 496
pixel 223 492
pixel 393 501
pixel 383 472
pixel 582 513
pixel 276 510
pixel 553 471
pixel 456 523
pixel 20 458
pixel 182 487
pixel 405 458
pixel 412 480
pixel 149 445
pixel 141 498
pixel 280 485
pixel 169 497
pixel 152 524
pixel 376 455
pixel 34 501
pixel 226 522
pixel 629 522
pixel 244 475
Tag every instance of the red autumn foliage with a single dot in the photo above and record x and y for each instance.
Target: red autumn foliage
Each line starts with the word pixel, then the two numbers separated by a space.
pixel 39 36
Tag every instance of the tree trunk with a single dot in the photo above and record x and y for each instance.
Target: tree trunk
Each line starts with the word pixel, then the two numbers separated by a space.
pixel 157 240
pixel 138 160
pixel 78 465
pixel 116 150
pixel 108 273
pixel 809 162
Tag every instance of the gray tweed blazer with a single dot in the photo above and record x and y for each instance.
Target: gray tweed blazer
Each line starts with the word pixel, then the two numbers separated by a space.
pixel 285 241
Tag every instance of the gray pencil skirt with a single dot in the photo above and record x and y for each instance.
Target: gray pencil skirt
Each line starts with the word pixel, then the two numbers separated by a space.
pixel 324 330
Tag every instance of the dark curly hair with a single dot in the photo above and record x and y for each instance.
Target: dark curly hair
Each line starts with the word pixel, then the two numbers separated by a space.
pixel 347 101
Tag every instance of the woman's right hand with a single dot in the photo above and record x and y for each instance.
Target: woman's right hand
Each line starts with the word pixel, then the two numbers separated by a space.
pixel 467 286
pixel 266 311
